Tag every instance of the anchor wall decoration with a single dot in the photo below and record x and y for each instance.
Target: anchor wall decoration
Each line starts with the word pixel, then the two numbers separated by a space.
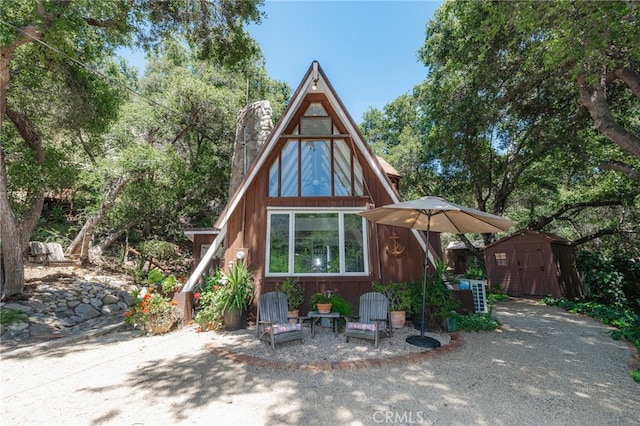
pixel 396 248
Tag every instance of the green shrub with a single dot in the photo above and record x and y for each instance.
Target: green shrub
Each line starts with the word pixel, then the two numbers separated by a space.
pixel 603 281
pixel 294 291
pixel 399 295
pixel 636 375
pixel 160 250
pixel 476 321
pixel 8 316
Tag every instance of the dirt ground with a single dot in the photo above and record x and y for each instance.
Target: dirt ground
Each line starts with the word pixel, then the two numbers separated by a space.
pixel 34 272
pixel 545 367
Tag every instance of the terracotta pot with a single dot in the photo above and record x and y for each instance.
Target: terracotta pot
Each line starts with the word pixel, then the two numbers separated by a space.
pixel 293 316
pixel 158 325
pixel 398 319
pixel 324 308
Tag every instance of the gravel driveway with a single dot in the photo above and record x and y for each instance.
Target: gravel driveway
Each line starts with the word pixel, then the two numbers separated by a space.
pixel 545 367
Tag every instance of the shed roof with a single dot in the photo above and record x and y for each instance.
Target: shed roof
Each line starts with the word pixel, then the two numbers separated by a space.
pixel 459 245
pixel 547 237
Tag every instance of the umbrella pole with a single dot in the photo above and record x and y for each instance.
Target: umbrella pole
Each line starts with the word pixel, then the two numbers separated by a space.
pixel 424 276
pixel 422 340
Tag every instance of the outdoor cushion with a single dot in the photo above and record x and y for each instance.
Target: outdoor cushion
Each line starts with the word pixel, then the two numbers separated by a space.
pixel 362 326
pixel 285 328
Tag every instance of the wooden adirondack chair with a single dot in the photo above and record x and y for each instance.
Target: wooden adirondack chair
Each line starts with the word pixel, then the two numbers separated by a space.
pixel 374 320
pixel 272 322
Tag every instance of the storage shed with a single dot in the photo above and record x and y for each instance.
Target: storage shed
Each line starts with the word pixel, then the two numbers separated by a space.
pixel 536 264
pixel 458 255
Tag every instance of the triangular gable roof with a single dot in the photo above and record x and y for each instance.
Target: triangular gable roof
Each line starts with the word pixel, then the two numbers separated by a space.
pixel 314 76
pixel 549 238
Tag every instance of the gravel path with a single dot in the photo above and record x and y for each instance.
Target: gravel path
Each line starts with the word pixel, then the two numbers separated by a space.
pixel 546 367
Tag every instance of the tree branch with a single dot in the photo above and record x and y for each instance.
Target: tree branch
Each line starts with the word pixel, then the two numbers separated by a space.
pixel 630 78
pixel 627 169
pixel 594 100
pixel 545 220
pixel 591 237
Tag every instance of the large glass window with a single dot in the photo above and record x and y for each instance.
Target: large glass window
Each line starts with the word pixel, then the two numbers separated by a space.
pixel 279 242
pixel 289 155
pixel 316 243
pixel 316 168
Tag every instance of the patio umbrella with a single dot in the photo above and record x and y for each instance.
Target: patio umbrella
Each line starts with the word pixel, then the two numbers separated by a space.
pixel 439 215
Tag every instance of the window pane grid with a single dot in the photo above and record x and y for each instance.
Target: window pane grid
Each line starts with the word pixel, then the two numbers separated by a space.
pixel 316 243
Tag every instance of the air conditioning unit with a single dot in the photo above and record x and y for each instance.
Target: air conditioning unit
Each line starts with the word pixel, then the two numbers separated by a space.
pixel 479 296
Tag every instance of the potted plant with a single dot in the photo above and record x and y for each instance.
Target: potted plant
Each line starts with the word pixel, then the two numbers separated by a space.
pixel 320 302
pixel 295 294
pixel 331 302
pixel 399 296
pixel 152 311
pixel 235 295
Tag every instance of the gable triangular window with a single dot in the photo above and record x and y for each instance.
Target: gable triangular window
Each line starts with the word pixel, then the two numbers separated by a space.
pixel 322 165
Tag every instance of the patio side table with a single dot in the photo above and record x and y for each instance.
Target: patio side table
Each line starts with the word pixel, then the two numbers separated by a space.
pixel 315 316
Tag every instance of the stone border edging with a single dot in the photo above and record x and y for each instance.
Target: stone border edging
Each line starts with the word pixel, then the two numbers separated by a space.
pixel 457 341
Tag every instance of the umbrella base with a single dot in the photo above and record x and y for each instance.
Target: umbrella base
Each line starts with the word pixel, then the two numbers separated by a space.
pixel 423 341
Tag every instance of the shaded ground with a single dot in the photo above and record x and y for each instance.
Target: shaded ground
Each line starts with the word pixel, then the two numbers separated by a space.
pixel 545 367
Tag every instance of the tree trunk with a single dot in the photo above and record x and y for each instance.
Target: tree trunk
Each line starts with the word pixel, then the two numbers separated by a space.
pixel 80 244
pixel 10 253
pixel 15 232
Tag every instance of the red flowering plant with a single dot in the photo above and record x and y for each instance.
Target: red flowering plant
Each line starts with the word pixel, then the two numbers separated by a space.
pixel 152 311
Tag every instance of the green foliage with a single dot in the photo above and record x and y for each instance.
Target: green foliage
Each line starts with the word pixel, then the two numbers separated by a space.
pixel 399 295
pixel 237 290
pixel 496 294
pixel 626 321
pixel 338 304
pixel 476 321
pixel 209 315
pixel 223 291
pixel 604 282
pixel 160 250
pixel 492 118
pixel 492 298
pixel 294 291
pixel 636 375
pixel 161 282
pixel 8 316
pixel 475 270
pixel 318 298
pixel 439 300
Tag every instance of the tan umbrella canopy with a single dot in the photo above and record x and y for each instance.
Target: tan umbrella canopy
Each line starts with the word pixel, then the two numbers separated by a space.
pixel 439 215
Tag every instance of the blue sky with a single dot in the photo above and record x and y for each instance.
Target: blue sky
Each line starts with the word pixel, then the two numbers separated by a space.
pixel 367 49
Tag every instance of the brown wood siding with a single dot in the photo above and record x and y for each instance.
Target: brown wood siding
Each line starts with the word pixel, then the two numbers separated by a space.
pixel 247 226
pixel 349 288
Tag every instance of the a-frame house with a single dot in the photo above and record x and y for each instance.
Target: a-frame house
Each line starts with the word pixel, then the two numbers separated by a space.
pixel 294 213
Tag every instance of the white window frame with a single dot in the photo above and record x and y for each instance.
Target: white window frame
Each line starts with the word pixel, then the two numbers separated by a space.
pixel 293 211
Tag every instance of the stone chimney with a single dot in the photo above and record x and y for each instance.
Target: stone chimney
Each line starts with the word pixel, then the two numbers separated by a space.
pixel 254 124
